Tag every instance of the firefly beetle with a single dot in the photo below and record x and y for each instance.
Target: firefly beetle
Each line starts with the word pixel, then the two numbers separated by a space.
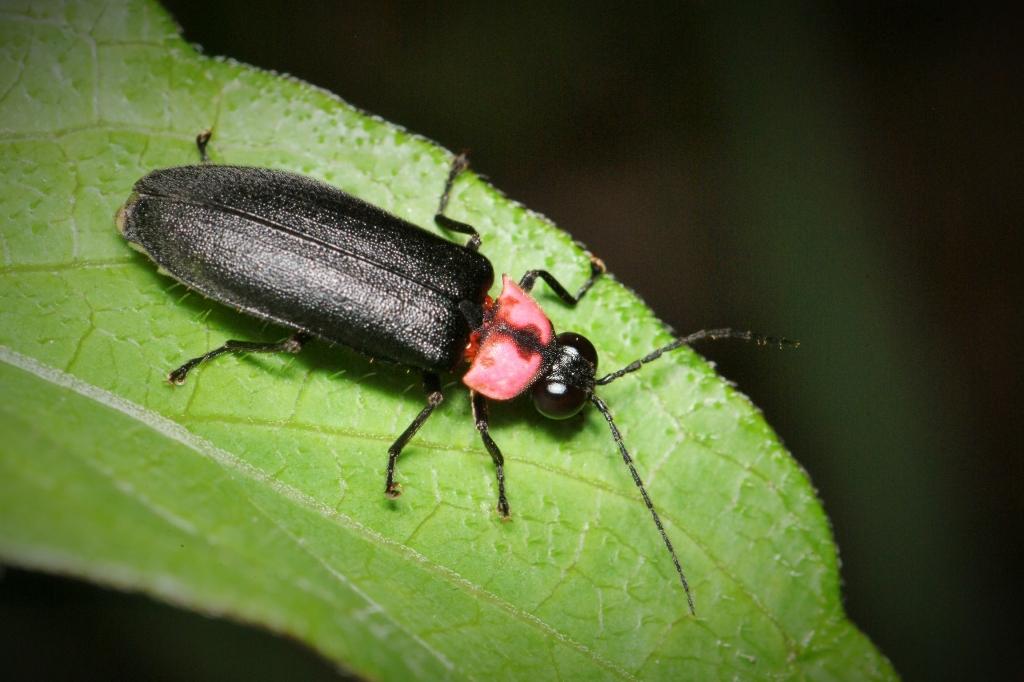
pixel 311 258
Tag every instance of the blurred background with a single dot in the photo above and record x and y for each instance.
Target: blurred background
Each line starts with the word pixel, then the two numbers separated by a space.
pixel 842 173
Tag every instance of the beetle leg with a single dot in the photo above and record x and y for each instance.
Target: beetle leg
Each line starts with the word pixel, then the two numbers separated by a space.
pixel 464 228
pixel 480 417
pixel 596 270
pixel 459 164
pixel 202 139
pixel 432 383
pixel 293 344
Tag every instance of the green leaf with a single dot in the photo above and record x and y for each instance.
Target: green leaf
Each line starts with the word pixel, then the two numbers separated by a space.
pixel 255 491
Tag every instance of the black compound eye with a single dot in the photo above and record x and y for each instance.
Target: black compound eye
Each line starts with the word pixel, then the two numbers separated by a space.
pixel 557 400
pixel 581 344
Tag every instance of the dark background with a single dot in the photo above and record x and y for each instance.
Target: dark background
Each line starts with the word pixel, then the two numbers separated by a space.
pixel 842 173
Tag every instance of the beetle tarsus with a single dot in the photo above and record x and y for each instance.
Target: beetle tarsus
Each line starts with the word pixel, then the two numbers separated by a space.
pixel 177 377
pixel 202 139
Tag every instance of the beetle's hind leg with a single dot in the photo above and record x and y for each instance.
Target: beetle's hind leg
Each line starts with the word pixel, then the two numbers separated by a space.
pixel 432 384
pixel 530 278
pixel 459 164
pixel 293 344
pixel 480 417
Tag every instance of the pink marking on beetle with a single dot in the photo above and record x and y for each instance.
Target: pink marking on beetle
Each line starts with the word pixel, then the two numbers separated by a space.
pixel 501 369
pixel 519 311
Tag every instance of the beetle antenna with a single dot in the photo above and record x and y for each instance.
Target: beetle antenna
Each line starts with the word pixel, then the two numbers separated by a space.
pixel 599 404
pixel 704 334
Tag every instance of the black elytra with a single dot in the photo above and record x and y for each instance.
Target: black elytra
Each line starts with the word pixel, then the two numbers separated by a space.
pixel 318 261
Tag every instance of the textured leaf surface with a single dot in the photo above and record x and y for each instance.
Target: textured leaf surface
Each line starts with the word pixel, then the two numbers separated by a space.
pixel 256 489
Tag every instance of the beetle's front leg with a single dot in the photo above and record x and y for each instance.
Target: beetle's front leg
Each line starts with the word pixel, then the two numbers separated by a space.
pixel 597 269
pixel 432 384
pixel 480 417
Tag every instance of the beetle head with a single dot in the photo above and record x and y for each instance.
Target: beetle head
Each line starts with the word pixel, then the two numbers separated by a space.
pixel 562 390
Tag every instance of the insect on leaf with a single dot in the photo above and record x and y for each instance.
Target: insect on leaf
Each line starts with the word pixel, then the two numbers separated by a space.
pixel 256 489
